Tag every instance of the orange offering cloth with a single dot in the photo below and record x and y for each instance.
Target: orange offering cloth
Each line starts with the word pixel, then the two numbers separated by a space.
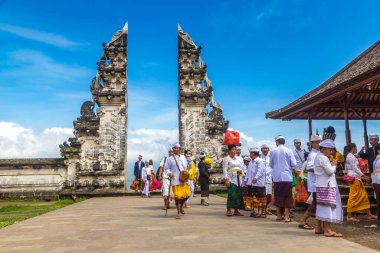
pixel 358 199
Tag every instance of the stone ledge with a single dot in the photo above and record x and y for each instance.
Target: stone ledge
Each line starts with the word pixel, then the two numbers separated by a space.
pixel 32 161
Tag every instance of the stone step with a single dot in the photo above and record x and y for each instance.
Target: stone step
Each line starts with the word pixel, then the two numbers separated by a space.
pixel 373 208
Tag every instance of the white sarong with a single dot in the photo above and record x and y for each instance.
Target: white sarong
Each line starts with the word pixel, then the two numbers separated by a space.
pixel 146 191
pixel 165 187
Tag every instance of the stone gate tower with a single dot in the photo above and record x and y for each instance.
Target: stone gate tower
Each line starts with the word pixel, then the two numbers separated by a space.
pixel 96 157
pixel 199 129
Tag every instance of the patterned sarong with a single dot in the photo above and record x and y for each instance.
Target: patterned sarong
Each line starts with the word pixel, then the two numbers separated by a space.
pixel 235 197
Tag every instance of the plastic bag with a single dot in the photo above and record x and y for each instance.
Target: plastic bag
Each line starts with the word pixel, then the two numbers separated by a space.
pixel 302 194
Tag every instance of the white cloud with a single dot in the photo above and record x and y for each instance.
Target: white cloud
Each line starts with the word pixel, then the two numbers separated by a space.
pixel 151 143
pixel 19 142
pixel 40 36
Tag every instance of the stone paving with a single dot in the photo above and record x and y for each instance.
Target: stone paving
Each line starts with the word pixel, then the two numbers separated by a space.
pixel 133 224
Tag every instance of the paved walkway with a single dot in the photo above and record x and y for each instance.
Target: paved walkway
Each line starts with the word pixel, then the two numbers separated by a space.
pixel 132 224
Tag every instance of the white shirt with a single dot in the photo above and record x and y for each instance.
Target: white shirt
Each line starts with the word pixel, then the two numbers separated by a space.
pixel 256 170
pixel 300 158
pixel 324 171
pixel 232 164
pixel 352 166
pixel 171 167
pixel 311 179
pixel 241 160
pixel 268 170
pixel 375 176
pixel 282 161
pixel 163 163
pixel 146 171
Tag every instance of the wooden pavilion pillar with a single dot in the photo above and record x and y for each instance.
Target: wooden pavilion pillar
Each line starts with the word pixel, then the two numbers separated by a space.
pixel 309 120
pixel 347 126
pixel 366 142
pixel 344 105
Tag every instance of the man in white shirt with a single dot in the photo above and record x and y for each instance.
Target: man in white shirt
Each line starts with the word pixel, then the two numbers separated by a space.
pixel 256 181
pixel 282 161
pixel 265 156
pixel 181 190
pixel 165 180
pixel 299 154
pixel 315 140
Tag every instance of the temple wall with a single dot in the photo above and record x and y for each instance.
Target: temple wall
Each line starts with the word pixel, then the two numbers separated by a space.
pixel 40 177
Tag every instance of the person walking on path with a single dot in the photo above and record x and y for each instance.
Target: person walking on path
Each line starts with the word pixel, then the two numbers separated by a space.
pixel 165 180
pixel 177 165
pixel 146 176
pixel 282 161
pixel 329 203
pixel 358 201
pixel 233 171
pixel 204 178
pixel 138 172
pixel 315 140
pixel 192 170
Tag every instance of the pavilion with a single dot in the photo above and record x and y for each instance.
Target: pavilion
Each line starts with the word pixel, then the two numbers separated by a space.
pixel 351 94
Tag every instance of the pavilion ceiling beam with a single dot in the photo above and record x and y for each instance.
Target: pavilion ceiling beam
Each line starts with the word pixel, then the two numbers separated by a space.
pixel 339 106
pixel 349 86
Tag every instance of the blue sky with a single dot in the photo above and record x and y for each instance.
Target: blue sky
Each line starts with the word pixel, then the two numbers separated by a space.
pixel 260 56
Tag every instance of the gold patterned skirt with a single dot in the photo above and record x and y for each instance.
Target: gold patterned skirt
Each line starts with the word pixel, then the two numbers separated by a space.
pixel 181 191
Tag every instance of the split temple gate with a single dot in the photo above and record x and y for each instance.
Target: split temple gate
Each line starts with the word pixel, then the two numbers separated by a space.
pixel 94 161
pixel 351 94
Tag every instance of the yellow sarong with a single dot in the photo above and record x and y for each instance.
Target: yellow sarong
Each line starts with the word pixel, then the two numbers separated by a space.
pixel 358 200
pixel 181 191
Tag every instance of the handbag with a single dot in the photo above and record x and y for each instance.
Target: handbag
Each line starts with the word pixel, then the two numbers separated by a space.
pixel 183 174
pixel 348 179
pixel 326 196
pixel 231 138
pixel 156 184
pixel 148 177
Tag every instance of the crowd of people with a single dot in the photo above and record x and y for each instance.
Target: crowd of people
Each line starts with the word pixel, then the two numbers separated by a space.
pixel 176 177
pixel 278 177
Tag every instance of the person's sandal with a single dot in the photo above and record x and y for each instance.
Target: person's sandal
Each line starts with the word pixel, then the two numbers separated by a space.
pixel 254 215
pixel 334 234
pixel 178 217
pixel 229 213
pixel 237 213
pixel 305 226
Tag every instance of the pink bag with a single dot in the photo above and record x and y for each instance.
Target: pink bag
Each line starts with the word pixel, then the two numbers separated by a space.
pixel 156 184
pixel 326 196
